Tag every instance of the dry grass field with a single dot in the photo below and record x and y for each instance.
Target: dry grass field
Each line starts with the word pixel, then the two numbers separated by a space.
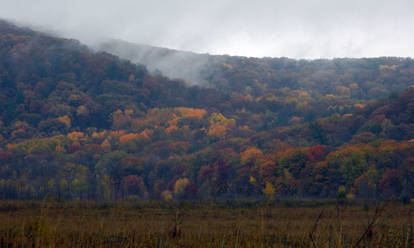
pixel 232 224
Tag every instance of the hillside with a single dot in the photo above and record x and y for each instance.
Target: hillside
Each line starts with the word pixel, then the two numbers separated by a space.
pixel 78 124
pixel 306 89
pixel 366 78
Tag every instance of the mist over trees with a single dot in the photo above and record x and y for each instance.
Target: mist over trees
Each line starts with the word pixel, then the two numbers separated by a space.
pixel 78 124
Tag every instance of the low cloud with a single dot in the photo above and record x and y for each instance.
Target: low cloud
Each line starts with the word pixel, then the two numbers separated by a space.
pixel 297 29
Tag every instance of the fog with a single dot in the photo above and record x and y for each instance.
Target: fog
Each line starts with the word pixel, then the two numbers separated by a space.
pixel 271 28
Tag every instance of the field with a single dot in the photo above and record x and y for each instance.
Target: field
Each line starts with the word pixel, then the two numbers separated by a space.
pixel 208 224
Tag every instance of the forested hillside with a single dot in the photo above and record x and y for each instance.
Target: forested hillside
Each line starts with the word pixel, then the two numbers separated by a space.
pixel 78 124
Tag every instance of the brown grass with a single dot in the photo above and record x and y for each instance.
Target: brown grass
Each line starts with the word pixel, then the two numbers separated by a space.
pixel 154 224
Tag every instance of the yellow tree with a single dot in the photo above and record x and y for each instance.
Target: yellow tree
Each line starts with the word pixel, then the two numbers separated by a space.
pixel 269 191
pixel 179 187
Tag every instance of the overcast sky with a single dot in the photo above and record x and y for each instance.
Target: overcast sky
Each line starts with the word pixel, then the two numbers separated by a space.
pixel 291 28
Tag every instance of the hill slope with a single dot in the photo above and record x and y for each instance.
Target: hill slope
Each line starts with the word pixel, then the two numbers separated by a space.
pixel 366 78
pixel 80 124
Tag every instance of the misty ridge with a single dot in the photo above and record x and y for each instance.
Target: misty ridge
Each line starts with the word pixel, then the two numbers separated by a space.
pixel 174 64
pixel 194 68
pixel 225 72
pixel 235 73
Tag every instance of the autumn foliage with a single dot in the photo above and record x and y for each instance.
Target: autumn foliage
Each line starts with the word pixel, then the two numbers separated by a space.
pixel 75 124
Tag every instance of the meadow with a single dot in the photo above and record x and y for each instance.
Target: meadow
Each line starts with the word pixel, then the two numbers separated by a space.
pixel 206 224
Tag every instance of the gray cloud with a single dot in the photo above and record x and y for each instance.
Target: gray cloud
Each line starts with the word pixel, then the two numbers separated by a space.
pixel 298 29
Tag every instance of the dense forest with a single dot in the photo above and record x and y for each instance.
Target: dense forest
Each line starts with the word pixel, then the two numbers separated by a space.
pixel 81 124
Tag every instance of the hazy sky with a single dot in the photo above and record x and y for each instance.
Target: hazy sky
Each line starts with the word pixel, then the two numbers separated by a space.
pixel 292 28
